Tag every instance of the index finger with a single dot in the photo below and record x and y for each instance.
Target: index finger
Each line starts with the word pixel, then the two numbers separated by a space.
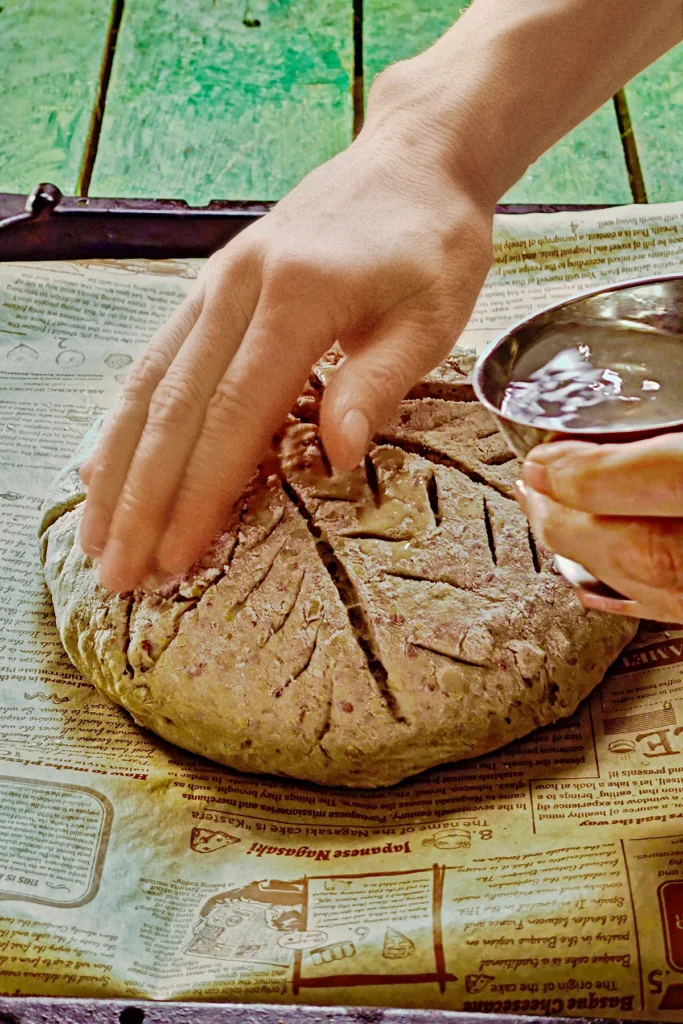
pixel 105 471
pixel 252 400
pixel 640 478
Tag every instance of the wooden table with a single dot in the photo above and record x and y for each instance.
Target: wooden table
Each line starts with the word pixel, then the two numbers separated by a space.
pixel 202 99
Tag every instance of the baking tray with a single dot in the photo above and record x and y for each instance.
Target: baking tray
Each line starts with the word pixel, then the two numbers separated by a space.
pixel 45 225
pixel 36 1010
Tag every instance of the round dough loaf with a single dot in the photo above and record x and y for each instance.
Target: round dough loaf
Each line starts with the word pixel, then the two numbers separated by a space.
pixel 349 630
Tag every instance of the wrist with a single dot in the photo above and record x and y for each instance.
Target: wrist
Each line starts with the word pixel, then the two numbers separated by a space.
pixel 413 107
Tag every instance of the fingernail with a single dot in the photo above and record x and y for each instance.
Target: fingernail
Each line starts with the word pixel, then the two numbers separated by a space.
pixel 88 539
pixel 157 581
pixel 356 431
pixel 114 573
pixel 536 476
pixel 521 495
pixel 90 550
pixel 611 605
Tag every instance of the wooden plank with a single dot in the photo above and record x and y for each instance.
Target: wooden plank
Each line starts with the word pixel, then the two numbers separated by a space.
pixel 50 57
pixel 398 29
pixel 235 100
pixel 656 103
pixel 587 166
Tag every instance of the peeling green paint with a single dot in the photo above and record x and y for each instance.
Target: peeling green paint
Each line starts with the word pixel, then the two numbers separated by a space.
pixel 201 106
pixel 50 57
pixel 656 103
pixel 587 166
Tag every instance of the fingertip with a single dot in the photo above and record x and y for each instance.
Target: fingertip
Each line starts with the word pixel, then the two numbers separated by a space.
pixel 521 495
pixel 91 550
pixel 568 472
pixel 116 571
pixel 113 581
pixel 354 438
pixel 156 580
pixel 92 530
pixel 536 477
pixel 90 460
pixel 174 556
pixel 538 508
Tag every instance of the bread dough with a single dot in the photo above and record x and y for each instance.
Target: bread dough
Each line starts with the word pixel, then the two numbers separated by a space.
pixel 350 630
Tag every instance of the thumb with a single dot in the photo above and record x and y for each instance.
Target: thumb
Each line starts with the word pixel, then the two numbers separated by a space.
pixel 366 388
pixel 641 478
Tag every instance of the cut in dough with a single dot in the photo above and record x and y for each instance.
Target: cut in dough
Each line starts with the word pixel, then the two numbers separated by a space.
pixel 349 630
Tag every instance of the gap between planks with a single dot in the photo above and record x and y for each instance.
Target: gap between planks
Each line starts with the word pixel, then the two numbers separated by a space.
pixel 628 140
pixel 626 131
pixel 358 68
pixel 95 126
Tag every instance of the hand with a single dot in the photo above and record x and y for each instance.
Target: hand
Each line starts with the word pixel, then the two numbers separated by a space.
pixel 617 510
pixel 383 249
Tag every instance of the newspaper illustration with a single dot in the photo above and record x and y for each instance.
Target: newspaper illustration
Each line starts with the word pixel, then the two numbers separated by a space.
pixel 545 878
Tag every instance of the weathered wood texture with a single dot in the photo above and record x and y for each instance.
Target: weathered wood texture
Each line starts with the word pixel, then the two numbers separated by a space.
pixel 656 103
pixel 585 167
pixel 50 57
pixel 237 99
pixel 397 29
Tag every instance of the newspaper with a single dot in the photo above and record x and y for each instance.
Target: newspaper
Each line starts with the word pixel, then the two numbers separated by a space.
pixel 546 878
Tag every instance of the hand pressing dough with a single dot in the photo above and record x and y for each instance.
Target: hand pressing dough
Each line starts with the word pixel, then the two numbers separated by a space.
pixel 350 630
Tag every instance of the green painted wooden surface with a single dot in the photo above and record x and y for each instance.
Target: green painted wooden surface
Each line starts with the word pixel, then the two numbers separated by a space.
pixel 656 102
pixel 397 29
pixel 50 56
pixel 239 98
pixel 201 106
pixel 587 166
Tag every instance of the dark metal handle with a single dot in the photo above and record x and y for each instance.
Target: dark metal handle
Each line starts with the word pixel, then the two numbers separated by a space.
pixel 46 225
pixel 49 226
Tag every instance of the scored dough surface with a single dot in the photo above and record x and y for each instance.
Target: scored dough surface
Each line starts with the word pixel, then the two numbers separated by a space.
pixel 352 629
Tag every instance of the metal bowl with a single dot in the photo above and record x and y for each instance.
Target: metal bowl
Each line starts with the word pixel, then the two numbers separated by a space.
pixel 653 305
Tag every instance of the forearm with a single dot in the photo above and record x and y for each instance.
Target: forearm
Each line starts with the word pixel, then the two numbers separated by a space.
pixel 513 76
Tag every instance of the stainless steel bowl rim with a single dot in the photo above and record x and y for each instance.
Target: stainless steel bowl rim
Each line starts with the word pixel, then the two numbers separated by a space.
pixel 563 304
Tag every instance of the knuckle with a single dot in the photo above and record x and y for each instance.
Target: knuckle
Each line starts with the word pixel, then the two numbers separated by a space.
pixel 660 561
pixel 549 526
pixel 216 262
pixel 579 482
pixel 672 611
pixel 674 484
pixel 394 84
pixel 288 270
pixel 134 510
pixel 144 375
pixel 221 261
pixel 229 403
pixel 548 535
pixel 140 513
pixel 175 403
pixel 242 255
pixel 390 381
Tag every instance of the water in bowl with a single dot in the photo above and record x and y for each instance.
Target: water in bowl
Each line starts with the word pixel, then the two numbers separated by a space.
pixel 576 377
